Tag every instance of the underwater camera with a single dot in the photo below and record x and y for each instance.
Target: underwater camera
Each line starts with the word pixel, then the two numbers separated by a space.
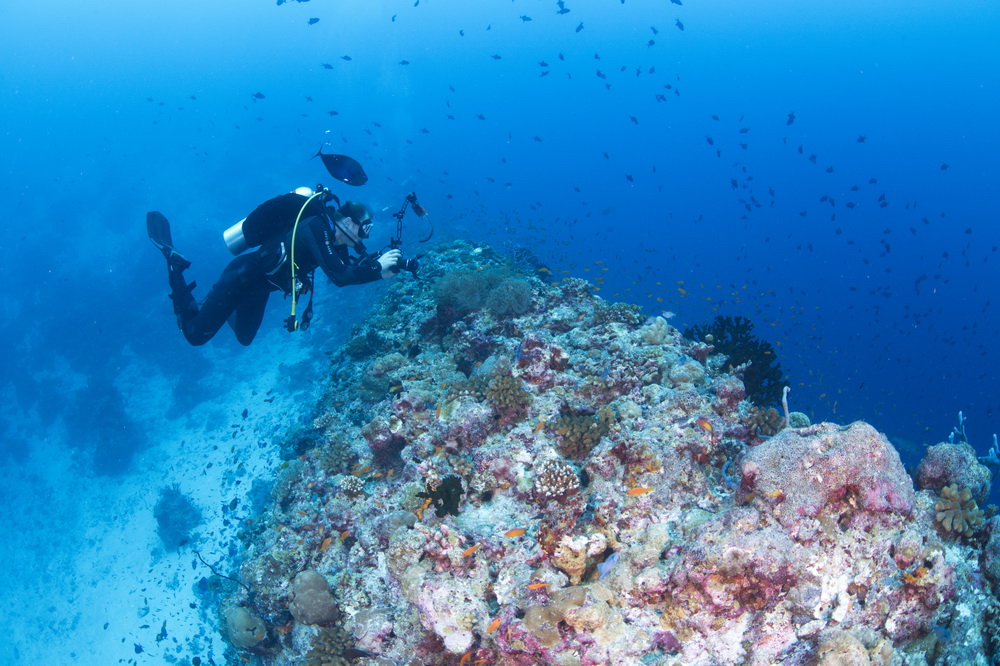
pixel 411 265
pixel 396 242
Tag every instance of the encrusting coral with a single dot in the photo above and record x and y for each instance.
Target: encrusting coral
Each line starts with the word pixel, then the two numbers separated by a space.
pixel 957 511
pixel 581 485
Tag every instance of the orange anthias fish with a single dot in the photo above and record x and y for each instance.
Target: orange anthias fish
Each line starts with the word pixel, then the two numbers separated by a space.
pixel 471 549
pixel 704 424
pixel 635 492
pixel 326 544
pixel 516 532
pixel 537 586
pixel 493 626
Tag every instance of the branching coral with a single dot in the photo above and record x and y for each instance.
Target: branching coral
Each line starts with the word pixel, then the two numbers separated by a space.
pixel 507 394
pixel 579 433
pixel 331 647
pixel 555 479
pixel 957 511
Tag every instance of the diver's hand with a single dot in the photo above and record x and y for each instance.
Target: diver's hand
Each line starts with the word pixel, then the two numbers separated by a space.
pixel 388 263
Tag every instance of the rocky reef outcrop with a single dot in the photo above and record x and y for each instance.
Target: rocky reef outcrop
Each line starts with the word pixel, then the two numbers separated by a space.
pixel 508 470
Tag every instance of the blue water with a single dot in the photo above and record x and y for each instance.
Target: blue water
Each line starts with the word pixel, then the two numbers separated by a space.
pixel 882 313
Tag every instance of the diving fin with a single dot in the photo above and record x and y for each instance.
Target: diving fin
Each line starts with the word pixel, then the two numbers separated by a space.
pixel 158 229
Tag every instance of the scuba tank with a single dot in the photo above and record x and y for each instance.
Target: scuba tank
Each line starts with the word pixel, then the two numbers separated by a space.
pixel 269 221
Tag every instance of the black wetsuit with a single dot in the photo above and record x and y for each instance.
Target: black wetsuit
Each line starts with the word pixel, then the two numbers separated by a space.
pixel 241 293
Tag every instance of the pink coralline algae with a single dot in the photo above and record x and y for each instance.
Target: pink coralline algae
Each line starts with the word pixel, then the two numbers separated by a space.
pixel 826 467
pixel 671 532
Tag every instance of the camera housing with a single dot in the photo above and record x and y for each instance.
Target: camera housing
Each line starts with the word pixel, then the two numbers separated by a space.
pixel 411 265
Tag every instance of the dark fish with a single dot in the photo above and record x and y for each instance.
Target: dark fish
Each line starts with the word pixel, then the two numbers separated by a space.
pixel 258 95
pixel 424 130
pixel 333 113
pixel 480 116
pixel 496 56
pixel 246 413
pixel 346 57
pixel 327 65
pixel 710 140
pixel 634 119
pixel 944 167
pixel 562 7
pixel 137 648
pixel 404 62
pixel 561 56
pixel 629 178
pixel 676 2
pixel 861 138
pixel 791 118
pixel 680 26
pixel 538 139
pixel 313 21
pixel 653 28
pixel 354 653
pixel 525 18
pixel 343 168
pixel 579 27
pixel 542 63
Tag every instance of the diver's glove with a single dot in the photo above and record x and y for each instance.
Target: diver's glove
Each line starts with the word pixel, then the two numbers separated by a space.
pixel 389 262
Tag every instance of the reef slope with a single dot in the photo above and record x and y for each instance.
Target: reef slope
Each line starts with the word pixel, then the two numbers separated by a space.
pixel 509 471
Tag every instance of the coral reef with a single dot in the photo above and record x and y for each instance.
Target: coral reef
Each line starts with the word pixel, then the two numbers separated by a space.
pixel 176 517
pixel 957 511
pixel 954 463
pixel 733 337
pixel 603 492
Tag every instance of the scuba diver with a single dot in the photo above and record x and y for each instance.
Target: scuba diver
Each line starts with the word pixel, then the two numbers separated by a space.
pixel 294 234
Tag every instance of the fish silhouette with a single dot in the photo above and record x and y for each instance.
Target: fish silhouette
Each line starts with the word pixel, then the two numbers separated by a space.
pixel 343 168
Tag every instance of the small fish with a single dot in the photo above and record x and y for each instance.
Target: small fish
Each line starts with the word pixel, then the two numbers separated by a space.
pixel 258 95
pixel 325 544
pixel 471 549
pixel 496 56
pixel 465 659
pixel 346 57
pixel 404 62
pixel 437 412
pixel 541 424
pixel 493 626
pixel 516 532
pixel 704 424
pixel 636 492
pixel 345 534
pixel 537 586
pixel 327 65
pixel 302 513
pixel 363 470
pixel 680 26
pixel 313 21
pixel 525 18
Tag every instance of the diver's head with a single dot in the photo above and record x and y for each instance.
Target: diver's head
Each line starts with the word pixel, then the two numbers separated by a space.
pixel 352 223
